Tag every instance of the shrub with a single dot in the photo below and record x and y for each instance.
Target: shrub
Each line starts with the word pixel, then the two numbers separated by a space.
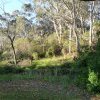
pixel 50 52
pixel 1 52
pixel 35 56
pixel 24 63
pixel 41 55
pixel 22 55
pixel 88 65
pixel 11 69
pixel 93 78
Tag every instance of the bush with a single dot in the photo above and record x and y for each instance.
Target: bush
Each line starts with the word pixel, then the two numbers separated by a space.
pixel 57 50
pixel 24 63
pixel 1 52
pixel 35 56
pixel 50 52
pixel 93 78
pixel 22 55
pixel 41 54
pixel 88 67
pixel 11 69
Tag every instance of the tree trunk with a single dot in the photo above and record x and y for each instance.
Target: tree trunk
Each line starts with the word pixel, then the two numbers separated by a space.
pixel 14 53
pixel 60 31
pixel 93 20
pixel 57 33
pixel 91 25
pixel 77 43
pixel 82 29
pixel 74 29
pixel 70 40
pixel 13 48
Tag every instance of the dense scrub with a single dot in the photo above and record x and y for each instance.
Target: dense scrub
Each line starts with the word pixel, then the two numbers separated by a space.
pixel 88 67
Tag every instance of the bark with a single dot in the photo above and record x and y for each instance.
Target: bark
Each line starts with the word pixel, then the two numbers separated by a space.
pixel 74 29
pixel 14 53
pixel 77 42
pixel 91 24
pixel 60 32
pixel 70 40
pixel 57 32
pixel 13 49
pixel 90 34
pixel 82 29
pixel 93 20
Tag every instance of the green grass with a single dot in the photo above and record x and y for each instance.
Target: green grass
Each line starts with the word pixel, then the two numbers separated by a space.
pixel 50 62
pixel 46 63
pixel 11 77
pixel 62 80
pixel 3 63
pixel 36 95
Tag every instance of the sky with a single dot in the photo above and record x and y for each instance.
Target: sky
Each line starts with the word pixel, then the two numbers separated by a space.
pixel 11 5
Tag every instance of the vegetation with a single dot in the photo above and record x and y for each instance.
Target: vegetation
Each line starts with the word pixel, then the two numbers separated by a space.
pixel 49 50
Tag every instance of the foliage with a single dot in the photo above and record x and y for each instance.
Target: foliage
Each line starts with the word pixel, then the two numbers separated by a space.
pixel 88 69
pixel 35 55
pixel 46 62
pixel 11 69
pixel 50 52
pixel 24 63
pixel 35 39
pixel 23 45
pixel 97 26
pixel 23 48
pixel 1 52
pixel 93 78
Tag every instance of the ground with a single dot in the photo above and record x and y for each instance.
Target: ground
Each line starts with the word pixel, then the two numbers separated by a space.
pixel 40 90
pixel 32 86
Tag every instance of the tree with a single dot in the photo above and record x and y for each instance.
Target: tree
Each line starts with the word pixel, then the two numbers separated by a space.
pixel 9 30
pixel 91 24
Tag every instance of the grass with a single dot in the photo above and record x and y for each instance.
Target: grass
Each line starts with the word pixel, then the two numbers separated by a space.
pixel 69 92
pixel 67 82
pixel 62 80
pixel 33 74
pixel 36 95
pixel 31 93
pixel 11 77
pixel 3 63
pixel 50 62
